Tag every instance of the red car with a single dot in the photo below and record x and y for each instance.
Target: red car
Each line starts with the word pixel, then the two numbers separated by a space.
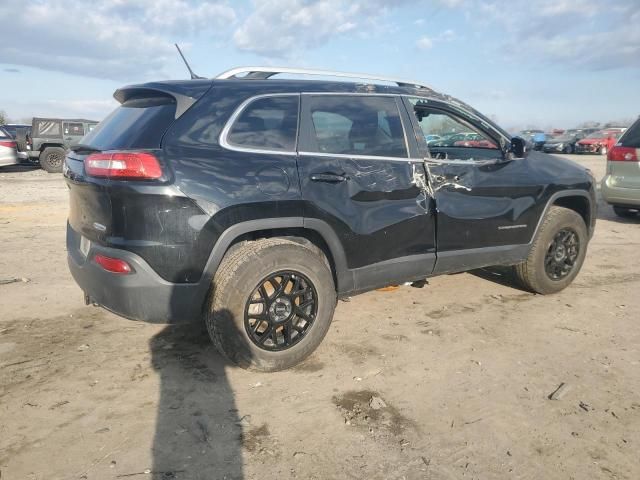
pixel 598 142
pixel 476 141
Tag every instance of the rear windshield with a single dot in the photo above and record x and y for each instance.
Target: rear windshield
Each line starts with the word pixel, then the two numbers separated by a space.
pixel 631 137
pixel 137 123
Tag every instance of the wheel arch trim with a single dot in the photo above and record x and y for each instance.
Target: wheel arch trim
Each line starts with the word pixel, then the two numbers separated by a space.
pixel 228 236
pixel 564 194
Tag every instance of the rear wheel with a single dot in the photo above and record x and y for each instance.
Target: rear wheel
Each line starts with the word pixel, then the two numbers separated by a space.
pixel 557 253
pixel 272 303
pixel 52 158
pixel 21 140
pixel 626 212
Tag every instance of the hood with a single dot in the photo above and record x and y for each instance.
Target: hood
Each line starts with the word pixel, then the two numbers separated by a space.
pixel 558 168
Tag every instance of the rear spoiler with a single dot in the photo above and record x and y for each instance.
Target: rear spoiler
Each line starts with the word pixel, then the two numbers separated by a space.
pixel 185 93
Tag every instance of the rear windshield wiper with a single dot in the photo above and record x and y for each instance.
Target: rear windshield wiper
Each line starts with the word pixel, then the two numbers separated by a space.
pixel 81 148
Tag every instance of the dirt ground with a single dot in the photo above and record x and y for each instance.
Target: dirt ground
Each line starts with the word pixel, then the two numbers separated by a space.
pixel 446 382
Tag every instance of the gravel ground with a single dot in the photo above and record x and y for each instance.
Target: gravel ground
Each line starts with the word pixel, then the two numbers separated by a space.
pixel 448 381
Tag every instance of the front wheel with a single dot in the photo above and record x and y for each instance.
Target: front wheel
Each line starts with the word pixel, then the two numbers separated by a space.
pixel 557 253
pixel 272 303
pixel 52 158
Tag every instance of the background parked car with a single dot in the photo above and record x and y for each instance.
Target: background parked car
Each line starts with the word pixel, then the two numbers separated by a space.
pixel 564 143
pixel 12 128
pixel 475 140
pixel 450 139
pixel 52 137
pixel 534 138
pixel 599 142
pixel 621 184
pixel 8 151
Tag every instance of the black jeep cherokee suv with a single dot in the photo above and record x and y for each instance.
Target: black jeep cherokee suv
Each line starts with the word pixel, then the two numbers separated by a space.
pixel 257 202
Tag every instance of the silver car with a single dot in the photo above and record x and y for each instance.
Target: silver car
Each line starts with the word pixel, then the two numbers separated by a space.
pixel 621 184
pixel 8 149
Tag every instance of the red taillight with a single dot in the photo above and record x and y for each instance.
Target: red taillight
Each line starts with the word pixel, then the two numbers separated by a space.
pixel 123 165
pixel 113 265
pixel 623 154
pixel 9 144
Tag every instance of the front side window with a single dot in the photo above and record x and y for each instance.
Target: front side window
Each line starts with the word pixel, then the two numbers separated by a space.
pixel 268 123
pixel 442 130
pixel 358 125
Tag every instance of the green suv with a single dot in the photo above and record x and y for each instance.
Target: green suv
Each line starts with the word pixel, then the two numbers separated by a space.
pixel 52 137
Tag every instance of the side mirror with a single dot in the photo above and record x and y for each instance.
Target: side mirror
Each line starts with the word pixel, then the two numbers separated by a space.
pixel 518 148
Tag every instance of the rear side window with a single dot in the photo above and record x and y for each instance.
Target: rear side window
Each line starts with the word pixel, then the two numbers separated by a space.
pixel 76 129
pixel 358 125
pixel 631 137
pixel 137 123
pixel 268 123
pixel 48 128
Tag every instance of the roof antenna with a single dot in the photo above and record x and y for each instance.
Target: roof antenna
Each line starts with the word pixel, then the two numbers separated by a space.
pixel 193 75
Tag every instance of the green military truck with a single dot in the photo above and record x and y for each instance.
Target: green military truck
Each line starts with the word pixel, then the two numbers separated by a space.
pixel 50 139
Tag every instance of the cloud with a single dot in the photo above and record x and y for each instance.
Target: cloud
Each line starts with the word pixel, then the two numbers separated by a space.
pixel 12 70
pixel 424 43
pixel 586 34
pixel 282 28
pixel 114 39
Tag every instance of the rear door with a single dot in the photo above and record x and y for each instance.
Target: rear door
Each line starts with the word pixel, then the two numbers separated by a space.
pixel 359 175
pixel 485 202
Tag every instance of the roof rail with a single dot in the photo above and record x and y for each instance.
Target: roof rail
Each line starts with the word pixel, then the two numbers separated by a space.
pixel 262 73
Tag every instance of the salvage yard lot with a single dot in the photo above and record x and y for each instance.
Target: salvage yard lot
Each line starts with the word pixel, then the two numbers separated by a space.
pixel 448 381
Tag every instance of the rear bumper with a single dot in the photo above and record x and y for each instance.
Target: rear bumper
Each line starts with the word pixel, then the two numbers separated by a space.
pixel 615 195
pixel 142 295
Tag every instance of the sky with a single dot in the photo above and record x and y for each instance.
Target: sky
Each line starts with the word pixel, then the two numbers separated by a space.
pixel 525 63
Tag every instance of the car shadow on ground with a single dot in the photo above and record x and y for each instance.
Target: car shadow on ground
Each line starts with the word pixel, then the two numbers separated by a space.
pixel 198 429
pixel 605 212
pixel 20 167
pixel 500 275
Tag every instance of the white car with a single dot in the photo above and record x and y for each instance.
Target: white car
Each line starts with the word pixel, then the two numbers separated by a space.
pixel 8 149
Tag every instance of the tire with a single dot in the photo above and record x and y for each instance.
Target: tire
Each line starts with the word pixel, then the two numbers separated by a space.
pixel 532 273
pixel 245 268
pixel 52 159
pixel 21 139
pixel 625 212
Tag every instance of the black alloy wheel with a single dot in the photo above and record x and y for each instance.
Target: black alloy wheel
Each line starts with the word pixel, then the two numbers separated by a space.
pixel 562 254
pixel 55 159
pixel 281 310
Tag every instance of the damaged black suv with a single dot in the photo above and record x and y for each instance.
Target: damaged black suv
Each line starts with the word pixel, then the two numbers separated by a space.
pixel 256 202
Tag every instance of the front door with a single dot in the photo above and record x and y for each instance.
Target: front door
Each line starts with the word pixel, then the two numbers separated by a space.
pixel 358 176
pixel 486 202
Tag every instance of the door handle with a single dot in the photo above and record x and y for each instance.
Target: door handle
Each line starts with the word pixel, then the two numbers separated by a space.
pixel 328 177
